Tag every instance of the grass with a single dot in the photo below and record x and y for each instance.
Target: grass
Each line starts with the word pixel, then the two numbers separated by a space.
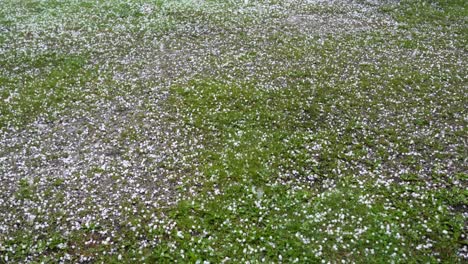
pixel 256 141
pixel 295 147
pixel 57 82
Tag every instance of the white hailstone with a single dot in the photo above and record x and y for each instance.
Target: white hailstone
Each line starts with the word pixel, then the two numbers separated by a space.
pixel 62 245
pixel 180 234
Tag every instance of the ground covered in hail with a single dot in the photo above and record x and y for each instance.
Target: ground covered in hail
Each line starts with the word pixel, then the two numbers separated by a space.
pixel 233 131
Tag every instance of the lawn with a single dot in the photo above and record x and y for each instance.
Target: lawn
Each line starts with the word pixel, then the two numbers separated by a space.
pixel 195 131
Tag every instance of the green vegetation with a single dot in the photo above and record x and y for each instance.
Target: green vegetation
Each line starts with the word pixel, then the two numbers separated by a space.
pixel 57 82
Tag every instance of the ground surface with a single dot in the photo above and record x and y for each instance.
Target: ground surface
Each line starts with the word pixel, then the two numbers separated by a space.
pixel 233 131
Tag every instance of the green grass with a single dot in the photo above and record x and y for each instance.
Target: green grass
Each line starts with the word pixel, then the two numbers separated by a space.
pixel 57 83
pixel 256 139
pixel 254 135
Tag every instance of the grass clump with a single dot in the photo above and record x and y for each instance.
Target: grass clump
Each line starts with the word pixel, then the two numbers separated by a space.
pixel 55 83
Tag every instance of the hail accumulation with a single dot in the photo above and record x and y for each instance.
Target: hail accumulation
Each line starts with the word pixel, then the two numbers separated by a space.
pixel 114 160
